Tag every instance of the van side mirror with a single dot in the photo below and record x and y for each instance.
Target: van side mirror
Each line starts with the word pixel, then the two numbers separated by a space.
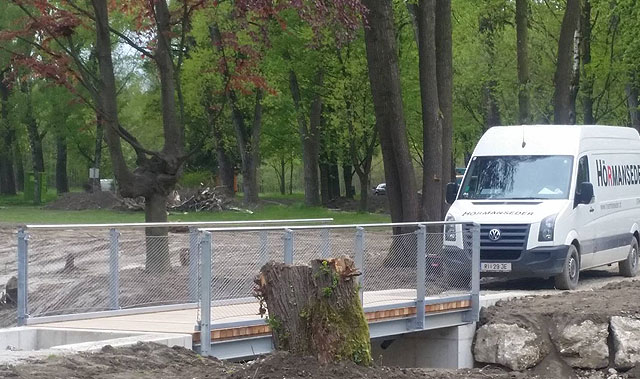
pixel 585 193
pixel 452 193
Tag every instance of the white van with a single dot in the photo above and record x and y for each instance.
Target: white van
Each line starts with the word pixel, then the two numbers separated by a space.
pixel 552 200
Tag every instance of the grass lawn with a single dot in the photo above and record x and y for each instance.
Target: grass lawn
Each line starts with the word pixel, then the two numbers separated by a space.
pixel 14 210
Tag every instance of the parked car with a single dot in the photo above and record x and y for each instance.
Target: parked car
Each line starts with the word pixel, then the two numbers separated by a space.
pixel 381 189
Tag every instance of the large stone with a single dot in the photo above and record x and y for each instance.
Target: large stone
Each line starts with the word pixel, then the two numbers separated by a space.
pixel 583 345
pixel 626 341
pixel 508 345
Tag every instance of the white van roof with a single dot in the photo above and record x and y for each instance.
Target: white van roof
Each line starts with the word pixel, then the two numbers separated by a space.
pixel 555 139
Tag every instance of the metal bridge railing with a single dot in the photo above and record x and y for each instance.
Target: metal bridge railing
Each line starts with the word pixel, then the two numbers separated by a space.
pixel 402 264
pixel 68 270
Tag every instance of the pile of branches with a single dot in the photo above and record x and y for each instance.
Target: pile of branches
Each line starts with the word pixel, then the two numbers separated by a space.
pixel 203 199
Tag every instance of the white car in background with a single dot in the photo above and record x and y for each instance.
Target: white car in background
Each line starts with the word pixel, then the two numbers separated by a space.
pixel 381 189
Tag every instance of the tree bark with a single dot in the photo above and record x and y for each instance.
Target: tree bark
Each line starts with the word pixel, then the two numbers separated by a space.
pixel 316 310
pixel 282 176
pixel 575 76
pixel 384 77
pixel 444 71
pixel 324 182
pixel 97 155
pixel 310 137
pixel 62 180
pixel 347 177
pixel 564 66
pixel 432 175
pixel 632 105
pixel 587 77
pixel 19 166
pixel 7 174
pixel 522 46
pixel 364 192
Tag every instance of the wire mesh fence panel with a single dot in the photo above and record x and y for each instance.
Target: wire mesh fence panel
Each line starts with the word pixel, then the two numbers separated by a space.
pixel 309 245
pixel 68 272
pixel 236 261
pixel 8 269
pixel 389 272
pixel 154 269
pixel 448 267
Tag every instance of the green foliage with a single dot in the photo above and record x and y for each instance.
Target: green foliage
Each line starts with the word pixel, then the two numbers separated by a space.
pixel 196 179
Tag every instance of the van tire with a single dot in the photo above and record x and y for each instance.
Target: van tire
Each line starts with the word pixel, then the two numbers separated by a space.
pixel 629 267
pixel 570 275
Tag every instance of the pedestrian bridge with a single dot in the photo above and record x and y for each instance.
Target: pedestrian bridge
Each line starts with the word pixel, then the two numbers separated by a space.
pixel 97 277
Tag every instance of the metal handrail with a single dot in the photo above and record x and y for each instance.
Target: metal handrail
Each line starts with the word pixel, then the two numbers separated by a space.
pixel 177 223
pixel 339 226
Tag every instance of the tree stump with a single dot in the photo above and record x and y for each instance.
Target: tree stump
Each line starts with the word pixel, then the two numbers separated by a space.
pixel 315 310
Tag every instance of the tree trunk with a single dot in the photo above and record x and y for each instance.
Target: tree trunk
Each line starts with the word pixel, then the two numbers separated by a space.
pixel 157 239
pixel 632 105
pixel 226 172
pixel 444 70
pixel 364 192
pixel 157 172
pixel 522 46
pixel 432 175
pixel 384 77
pixel 347 175
pixel 62 180
pixel 282 176
pixel 310 137
pixel 97 155
pixel 316 310
pixel 324 182
pixel 19 166
pixel 7 175
pixel 291 178
pixel 575 76
pixel 491 103
pixel 564 66
pixel 334 180
pixel 252 154
pixel 587 77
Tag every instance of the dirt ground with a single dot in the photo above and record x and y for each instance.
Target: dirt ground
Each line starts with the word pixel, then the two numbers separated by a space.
pixel 150 361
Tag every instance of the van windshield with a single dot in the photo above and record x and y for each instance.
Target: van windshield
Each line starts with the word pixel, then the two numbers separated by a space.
pixel 518 177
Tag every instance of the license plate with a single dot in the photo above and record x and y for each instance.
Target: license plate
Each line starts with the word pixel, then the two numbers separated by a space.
pixel 495 267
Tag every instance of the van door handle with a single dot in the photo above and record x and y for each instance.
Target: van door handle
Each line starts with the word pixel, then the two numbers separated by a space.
pixel 591 210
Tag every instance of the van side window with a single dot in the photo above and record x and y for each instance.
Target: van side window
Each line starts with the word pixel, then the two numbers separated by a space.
pixel 583 170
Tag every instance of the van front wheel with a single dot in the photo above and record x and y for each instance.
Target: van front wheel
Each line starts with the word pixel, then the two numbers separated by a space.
pixel 568 278
pixel 629 267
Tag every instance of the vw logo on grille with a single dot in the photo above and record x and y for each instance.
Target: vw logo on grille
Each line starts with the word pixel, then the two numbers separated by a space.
pixel 494 234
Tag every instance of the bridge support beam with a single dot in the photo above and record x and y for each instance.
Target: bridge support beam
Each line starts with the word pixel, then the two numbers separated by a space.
pixel 438 348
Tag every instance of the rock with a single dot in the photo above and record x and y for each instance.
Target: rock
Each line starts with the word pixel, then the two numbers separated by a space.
pixel 626 341
pixel 508 345
pixel 634 373
pixel 583 345
pixel 11 289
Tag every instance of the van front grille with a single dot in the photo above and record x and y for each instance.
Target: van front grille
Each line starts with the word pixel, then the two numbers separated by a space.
pixel 510 245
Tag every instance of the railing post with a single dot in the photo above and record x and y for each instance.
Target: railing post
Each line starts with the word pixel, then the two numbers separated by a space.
pixel 193 263
pixel 288 246
pixel 114 270
pixel 475 272
pixel 359 261
pixel 324 236
pixel 23 268
pixel 421 273
pixel 205 294
pixel 264 253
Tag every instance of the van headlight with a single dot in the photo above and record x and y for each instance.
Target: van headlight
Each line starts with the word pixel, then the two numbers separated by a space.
pixel 546 228
pixel 450 229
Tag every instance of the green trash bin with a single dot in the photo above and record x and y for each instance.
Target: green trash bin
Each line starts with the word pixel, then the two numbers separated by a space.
pixel 30 186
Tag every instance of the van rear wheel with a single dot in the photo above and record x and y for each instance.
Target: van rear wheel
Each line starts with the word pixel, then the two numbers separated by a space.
pixel 629 267
pixel 568 278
